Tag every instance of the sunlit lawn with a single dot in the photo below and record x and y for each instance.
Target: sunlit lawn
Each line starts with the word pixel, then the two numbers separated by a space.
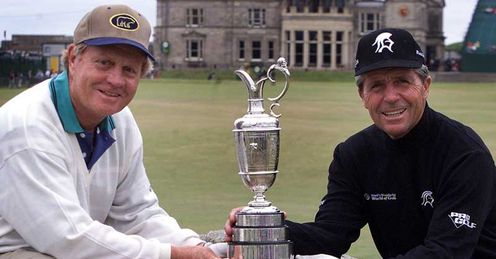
pixel 189 147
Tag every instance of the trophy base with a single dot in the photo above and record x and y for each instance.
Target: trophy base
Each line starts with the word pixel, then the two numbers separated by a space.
pixel 260 234
pixel 259 216
pixel 244 250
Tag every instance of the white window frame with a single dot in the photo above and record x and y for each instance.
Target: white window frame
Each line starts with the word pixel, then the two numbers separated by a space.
pixel 256 17
pixel 241 50
pixel 253 49
pixel 326 43
pixel 190 51
pixel 365 22
pixel 194 17
pixel 339 47
pixel 299 43
pixel 271 50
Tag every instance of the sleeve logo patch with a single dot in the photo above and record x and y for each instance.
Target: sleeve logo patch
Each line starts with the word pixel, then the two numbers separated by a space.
pixel 461 219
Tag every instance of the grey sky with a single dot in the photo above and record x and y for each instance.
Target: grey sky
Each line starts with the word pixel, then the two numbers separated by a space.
pixel 61 16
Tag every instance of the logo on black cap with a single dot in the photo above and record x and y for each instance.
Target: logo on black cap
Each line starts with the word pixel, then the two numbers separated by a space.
pixel 124 22
pixel 375 51
pixel 383 41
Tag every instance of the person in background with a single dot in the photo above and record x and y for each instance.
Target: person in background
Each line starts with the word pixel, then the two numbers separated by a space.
pixel 12 79
pixel 72 179
pixel 424 183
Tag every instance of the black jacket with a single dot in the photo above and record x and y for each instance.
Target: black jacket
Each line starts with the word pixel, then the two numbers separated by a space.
pixel 430 194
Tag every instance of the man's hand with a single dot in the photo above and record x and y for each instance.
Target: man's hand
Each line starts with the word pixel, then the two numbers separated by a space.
pixel 192 252
pixel 230 222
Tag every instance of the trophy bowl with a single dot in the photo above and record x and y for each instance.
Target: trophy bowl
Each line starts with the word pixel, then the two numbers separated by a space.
pixel 257 147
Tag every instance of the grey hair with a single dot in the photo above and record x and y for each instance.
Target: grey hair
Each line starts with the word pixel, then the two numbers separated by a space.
pixel 145 69
pixel 422 72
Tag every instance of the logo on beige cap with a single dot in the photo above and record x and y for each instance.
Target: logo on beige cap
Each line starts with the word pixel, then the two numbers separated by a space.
pixel 124 21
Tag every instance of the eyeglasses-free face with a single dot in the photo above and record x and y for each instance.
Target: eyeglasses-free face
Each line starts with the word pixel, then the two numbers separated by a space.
pixel 395 99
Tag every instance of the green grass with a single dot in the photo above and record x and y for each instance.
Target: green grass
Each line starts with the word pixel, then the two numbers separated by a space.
pixel 189 146
pixel 296 75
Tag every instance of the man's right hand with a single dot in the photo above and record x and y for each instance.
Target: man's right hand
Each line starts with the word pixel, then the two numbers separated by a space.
pixel 230 222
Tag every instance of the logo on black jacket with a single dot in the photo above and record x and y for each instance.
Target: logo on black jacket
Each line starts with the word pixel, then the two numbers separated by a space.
pixel 461 219
pixel 427 199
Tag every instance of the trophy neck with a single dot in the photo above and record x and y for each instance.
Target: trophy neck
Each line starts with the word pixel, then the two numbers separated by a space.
pixel 255 106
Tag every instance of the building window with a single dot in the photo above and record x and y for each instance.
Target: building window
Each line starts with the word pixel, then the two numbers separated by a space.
pixel 241 48
pixel 299 41
pixel 312 48
pixel 339 48
pixel 340 5
pixel 256 17
pixel 194 50
pixel 256 50
pixel 300 5
pixel 270 50
pixel 288 46
pixel 194 17
pixel 326 48
pixel 435 23
pixel 369 22
pixel 313 6
pixel 326 6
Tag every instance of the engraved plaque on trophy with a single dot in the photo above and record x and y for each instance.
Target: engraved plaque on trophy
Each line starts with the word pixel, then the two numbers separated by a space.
pixel 259 232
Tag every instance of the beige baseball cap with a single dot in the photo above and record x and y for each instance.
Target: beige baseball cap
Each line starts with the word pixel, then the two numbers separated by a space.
pixel 114 24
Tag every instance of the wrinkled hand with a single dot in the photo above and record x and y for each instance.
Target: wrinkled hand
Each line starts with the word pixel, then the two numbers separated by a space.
pixel 219 249
pixel 230 222
pixel 192 252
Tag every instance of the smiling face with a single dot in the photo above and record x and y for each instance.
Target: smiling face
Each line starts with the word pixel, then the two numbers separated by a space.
pixel 103 80
pixel 395 99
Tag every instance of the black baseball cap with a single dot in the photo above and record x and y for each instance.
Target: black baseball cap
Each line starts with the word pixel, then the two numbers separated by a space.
pixel 386 48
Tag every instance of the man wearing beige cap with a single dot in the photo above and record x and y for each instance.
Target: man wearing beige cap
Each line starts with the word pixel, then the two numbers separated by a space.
pixel 72 180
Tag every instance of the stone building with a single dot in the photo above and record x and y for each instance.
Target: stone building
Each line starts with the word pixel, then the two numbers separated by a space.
pixel 311 34
pixel 33 43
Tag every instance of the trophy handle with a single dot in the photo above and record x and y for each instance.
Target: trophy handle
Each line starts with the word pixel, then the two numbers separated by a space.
pixel 281 66
pixel 255 89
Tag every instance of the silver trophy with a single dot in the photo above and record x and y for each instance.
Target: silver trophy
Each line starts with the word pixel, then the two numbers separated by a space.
pixel 259 232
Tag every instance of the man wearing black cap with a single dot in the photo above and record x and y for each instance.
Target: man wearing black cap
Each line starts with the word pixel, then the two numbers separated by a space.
pixel 72 180
pixel 425 184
